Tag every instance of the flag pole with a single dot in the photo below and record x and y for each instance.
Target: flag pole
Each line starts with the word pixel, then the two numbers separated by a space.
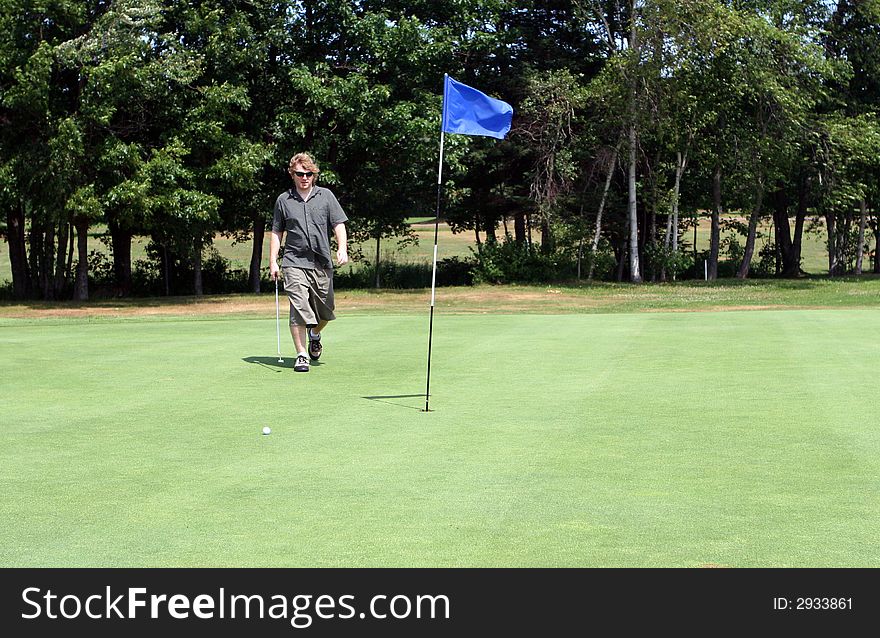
pixel 466 111
pixel 434 271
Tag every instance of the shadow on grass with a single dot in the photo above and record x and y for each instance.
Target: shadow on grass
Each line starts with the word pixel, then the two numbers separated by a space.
pixel 270 362
pixel 384 399
pixel 273 364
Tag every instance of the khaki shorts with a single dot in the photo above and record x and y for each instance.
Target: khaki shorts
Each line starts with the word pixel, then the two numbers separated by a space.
pixel 311 295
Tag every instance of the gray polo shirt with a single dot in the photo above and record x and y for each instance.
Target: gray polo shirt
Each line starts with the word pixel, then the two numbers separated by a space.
pixel 308 225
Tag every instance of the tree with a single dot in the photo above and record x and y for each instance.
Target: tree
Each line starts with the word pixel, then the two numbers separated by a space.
pixel 29 102
pixel 849 149
pixel 113 118
pixel 375 136
pixel 545 123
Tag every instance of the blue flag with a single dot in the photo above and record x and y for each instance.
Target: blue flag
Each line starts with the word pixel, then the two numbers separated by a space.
pixel 471 112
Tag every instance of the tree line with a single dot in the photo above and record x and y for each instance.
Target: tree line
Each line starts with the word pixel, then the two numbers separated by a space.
pixel 175 121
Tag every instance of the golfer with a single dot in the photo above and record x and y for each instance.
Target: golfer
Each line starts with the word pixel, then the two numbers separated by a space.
pixel 307 213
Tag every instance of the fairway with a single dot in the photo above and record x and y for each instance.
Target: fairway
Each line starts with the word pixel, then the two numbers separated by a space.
pixel 741 439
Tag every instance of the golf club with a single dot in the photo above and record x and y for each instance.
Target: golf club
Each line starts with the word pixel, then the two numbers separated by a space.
pixel 278 323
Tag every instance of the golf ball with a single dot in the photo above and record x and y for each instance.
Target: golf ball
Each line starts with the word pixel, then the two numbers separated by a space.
pixel 267 430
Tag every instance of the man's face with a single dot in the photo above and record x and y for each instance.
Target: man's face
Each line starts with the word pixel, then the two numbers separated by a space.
pixel 302 177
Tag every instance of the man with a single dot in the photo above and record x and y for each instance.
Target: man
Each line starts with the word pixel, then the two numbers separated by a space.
pixel 307 213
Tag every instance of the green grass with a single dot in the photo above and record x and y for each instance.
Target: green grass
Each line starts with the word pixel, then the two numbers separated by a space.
pixel 569 298
pixel 633 439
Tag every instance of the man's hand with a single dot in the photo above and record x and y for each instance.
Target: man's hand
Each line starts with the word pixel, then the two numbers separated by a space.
pixel 342 242
pixel 274 247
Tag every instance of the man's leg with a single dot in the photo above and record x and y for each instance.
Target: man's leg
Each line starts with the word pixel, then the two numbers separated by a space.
pixel 322 302
pixel 301 314
pixel 299 338
pixel 315 347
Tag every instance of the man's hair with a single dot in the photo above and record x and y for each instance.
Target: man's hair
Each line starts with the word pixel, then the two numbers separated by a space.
pixel 307 162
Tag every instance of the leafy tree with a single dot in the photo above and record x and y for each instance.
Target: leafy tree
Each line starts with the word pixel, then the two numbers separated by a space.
pixel 111 121
pixel 546 123
pixel 375 136
pixel 853 35
pixel 29 102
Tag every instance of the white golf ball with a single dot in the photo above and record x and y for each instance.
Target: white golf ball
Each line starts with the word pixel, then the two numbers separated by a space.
pixel 267 430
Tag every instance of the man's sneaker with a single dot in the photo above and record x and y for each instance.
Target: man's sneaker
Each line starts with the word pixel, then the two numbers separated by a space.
pixel 301 365
pixel 315 348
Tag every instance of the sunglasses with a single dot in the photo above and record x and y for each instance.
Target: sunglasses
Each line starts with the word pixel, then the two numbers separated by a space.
pixel 303 173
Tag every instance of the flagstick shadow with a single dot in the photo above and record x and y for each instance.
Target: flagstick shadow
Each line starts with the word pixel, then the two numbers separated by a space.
pixel 384 399
pixel 271 363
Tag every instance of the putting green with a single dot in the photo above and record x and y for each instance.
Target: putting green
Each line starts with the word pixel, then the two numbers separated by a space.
pixel 668 439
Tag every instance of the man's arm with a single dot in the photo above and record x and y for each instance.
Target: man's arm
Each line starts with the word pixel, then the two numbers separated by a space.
pixel 342 243
pixel 274 246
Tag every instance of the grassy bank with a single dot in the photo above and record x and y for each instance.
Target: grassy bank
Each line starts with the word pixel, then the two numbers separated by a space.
pixel 814 292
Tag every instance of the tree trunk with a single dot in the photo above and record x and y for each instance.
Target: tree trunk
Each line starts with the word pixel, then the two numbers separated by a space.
pixel 787 250
pixel 69 266
pixel 529 231
pixel 651 224
pixel 34 254
pixel 42 244
pixel 830 226
pixel 546 235
pixel 595 245
pixel 121 238
pixel 876 243
pixel 635 273
pixel 48 265
pixel 257 254
pixel 843 231
pixel 166 270
pixel 378 279
pixel 15 236
pixel 681 164
pixel 198 288
pixel 81 286
pixel 716 225
pixel 519 228
pixel 666 249
pixel 791 263
pixel 621 262
pixel 670 240
pixel 580 255
pixel 743 271
pixel 60 280
pixel 489 229
pixel 838 232
pixel 863 221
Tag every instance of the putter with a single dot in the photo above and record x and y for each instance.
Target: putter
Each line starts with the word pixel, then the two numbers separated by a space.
pixel 278 323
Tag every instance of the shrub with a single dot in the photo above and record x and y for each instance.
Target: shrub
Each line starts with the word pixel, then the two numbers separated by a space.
pixel 217 275
pixel 510 262
pixel 675 263
pixel 451 271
